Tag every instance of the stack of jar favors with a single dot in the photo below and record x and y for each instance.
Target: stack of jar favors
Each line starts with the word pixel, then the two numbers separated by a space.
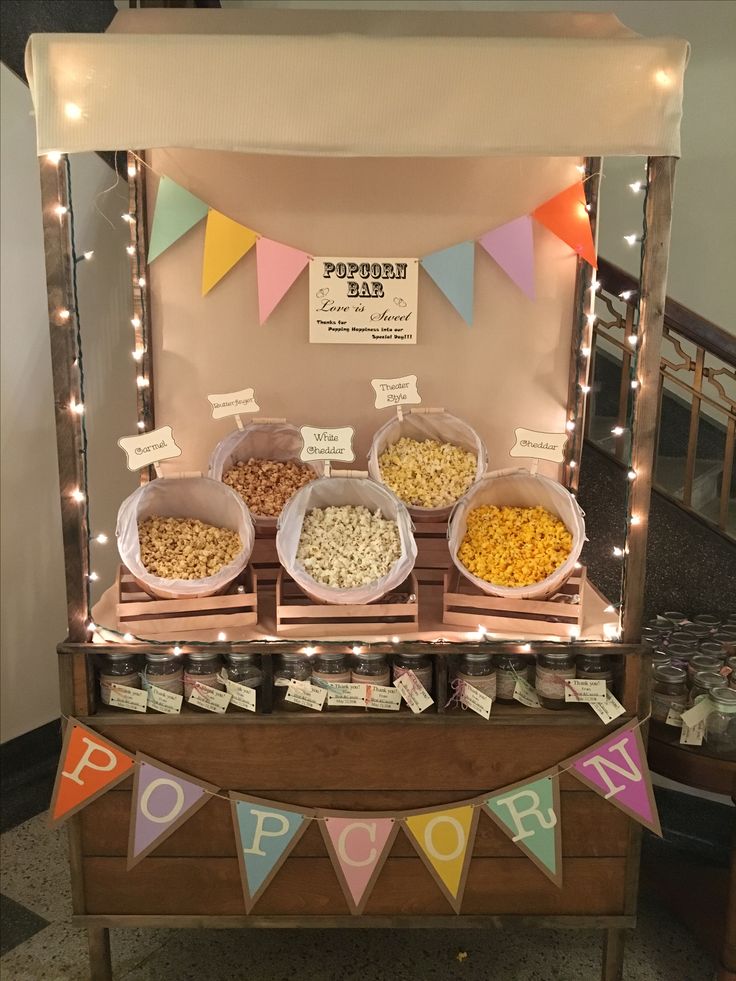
pixel 495 675
pixel 695 659
pixel 350 540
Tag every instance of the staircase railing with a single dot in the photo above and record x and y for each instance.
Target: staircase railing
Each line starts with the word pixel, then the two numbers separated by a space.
pixel 696 427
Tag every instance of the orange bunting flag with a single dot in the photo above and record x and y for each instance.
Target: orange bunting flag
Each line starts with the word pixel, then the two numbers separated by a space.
pixel 225 243
pixel 566 217
pixel 89 766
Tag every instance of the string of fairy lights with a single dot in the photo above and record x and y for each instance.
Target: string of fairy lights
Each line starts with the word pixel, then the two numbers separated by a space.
pixel 138 321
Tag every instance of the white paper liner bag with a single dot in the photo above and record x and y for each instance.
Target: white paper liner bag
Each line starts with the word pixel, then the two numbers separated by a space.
pixel 420 426
pixel 261 441
pixel 338 492
pixel 520 488
pixel 184 497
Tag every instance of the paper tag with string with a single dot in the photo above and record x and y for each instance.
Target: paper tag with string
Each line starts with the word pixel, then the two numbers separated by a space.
pixel 164 701
pixel 211 699
pixel 149 449
pixel 476 700
pixel 524 693
pixel 133 699
pixel 609 709
pixel 413 692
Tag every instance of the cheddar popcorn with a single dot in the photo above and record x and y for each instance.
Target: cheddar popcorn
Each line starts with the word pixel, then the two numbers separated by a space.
pixel 427 474
pixel 185 548
pixel 347 546
pixel 513 546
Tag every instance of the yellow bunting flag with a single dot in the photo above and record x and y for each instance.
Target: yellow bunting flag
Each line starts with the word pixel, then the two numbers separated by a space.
pixel 444 841
pixel 225 243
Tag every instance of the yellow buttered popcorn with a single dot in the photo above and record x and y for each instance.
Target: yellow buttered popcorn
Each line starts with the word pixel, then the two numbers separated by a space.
pixel 427 473
pixel 513 546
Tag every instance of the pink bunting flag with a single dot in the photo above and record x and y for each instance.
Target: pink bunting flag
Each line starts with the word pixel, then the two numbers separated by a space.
pixel 358 845
pixel 278 267
pixel 512 246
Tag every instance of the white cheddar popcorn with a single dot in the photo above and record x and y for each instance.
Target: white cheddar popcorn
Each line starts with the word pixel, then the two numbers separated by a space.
pixel 347 546
pixel 427 474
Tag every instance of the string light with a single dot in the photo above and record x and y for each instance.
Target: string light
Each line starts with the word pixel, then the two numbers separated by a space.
pixel 142 382
pixel 141 282
pixel 663 78
pixel 572 464
pixel 130 249
pixel 618 430
pixel 77 495
pixel 88 256
pixel 60 210
pixel 394 640
pixel 101 539
pixel 222 635
pixel 631 475
pixel 356 649
pixel 634 383
pixel 76 407
pixel 585 351
pixel 309 651
pixel 137 355
pixel 610 608
pixel 72 111
pixel 91 626
pixel 578 565
pixel 93 576
pixel 636 186
pixel 626 294
pixel 631 239
pixel 54 157
pixel 177 650
pixel 128 638
pixel 632 339
pixel 635 519
pixel 570 425
pixel 526 648
pixel 135 321
pixel 129 218
pixel 580 168
pixel 585 389
pixel 132 171
pixel 64 314
pixel 141 424
pixel 618 552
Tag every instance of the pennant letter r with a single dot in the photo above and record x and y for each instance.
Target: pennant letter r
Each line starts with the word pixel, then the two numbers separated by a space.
pixel 517 816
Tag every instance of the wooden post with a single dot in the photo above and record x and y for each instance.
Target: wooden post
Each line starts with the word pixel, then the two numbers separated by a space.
pixel 613 955
pixel 653 291
pixel 65 355
pixel 100 962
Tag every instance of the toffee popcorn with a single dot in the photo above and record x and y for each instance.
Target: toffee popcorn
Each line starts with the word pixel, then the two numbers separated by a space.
pixel 347 546
pixel 185 548
pixel 266 485
pixel 427 473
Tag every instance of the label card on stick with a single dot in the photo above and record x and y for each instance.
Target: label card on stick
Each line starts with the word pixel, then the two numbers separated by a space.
pixel 164 701
pixel 413 692
pixel 148 449
pixel 327 444
pixel 134 699
pixel 539 446
pixel 396 391
pixel 363 301
pixel 211 699
pixel 478 701
pixel 233 403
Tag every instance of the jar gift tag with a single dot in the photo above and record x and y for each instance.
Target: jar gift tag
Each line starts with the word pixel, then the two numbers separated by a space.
pixel 164 701
pixel 241 695
pixel 413 692
pixel 692 735
pixel 524 693
pixel 211 699
pixel 698 713
pixel 586 690
pixel 133 699
pixel 345 694
pixel 306 695
pixel 476 700
pixel 383 697
pixel 609 709
pixel 674 717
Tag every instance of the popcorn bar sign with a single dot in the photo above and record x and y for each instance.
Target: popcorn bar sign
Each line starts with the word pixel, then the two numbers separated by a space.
pixel 363 301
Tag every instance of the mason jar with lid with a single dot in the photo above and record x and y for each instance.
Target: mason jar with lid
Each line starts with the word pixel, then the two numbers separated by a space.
pixel 202 668
pixel 245 670
pixel 727 637
pixel 687 639
pixel 288 667
pixel 707 620
pixel 420 664
pixel 680 654
pixel 118 669
pixel 720 724
pixel 554 668
pixel 332 667
pixel 510 668
pixel 660 657
pixel 715 648
pixel 370 668
pixel 164 671
pixel 702 662
pixel 674 616
pixel 731 675
pixel 704 682
pixel 698 631
pixel 478 670
pixel 669 690
pixel 597 667
pixel 661 624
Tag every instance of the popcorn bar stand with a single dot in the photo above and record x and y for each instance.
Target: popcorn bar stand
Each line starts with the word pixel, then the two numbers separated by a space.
pixel 351 670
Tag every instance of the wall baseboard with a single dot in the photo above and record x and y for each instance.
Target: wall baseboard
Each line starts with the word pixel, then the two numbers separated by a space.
pixel 27 768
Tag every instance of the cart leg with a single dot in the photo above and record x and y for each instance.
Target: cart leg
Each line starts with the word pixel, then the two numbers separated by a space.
pixel 613 955
pixel 100 963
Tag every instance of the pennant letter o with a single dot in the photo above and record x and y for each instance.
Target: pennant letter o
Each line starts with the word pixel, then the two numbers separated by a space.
pixel 175 810
pixel 86 761
pixel 429 838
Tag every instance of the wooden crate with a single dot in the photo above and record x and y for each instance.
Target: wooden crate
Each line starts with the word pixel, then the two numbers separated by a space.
pixel 465 604
pixel 264 558
pixel 433 554
pixel 138 612
pixel 299 616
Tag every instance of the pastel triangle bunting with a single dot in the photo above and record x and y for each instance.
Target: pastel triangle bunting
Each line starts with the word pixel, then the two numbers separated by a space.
pixel 177 210
pixel 278 267
pixel 512 247
pixel 452 270
pixel 444 841
pixel 225 243
pixel 358 845
pixel 163 799
pixel 566 217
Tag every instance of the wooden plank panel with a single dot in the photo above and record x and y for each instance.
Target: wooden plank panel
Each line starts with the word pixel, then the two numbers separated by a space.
pixel 287 756
pixel 590 826
pixel 308 886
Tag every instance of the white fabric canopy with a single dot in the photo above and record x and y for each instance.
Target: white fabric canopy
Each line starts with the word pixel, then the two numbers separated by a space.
pixel 359 84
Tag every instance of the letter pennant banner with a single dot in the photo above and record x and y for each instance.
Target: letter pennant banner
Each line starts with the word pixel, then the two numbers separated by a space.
pixel 443 839
pixel 89 765
pixel 528 812
pixel 163 799
pixel 452 270
pixel 177 211
pixel 512 246
pixel 265 833
pixel 278 267
pixel 565 214
pixel 225 243
pixel 358 845
pixel 616 768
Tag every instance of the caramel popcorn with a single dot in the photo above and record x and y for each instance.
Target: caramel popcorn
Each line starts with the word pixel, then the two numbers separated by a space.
pixel 266 485
pixel 512 546
pixel 348 546
pixel 185 548
pixel 427 473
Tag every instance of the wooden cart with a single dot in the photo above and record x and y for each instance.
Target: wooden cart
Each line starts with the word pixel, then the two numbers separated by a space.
pixel 398 762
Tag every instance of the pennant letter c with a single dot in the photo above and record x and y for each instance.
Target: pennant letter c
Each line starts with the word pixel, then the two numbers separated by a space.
pixel 342 851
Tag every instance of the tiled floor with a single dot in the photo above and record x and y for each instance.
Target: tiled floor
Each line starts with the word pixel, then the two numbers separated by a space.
pixel 44 948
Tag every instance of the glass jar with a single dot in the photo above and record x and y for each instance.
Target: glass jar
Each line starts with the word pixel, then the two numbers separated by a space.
pixel 118 669
pixel 554 668
pixel 244 669
pixel 669 690
pixel 720 725
pixel 510 668
pixel 651 636
pixel 704 682
pixel 370 668
pixel 694 630
pixel 680 654
pixel 727 637
pixel 202 667
pixel 597 667
pixel 715 649
pixel 686 638
pixel 673 616
pixel 661 624
pixel 702 662
pixel 659 658
pixel 479 671
pixel 164 671
pixel 707 620
pixel 420 664
pixel 288 667
pixel 731 676
pixel 332 667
